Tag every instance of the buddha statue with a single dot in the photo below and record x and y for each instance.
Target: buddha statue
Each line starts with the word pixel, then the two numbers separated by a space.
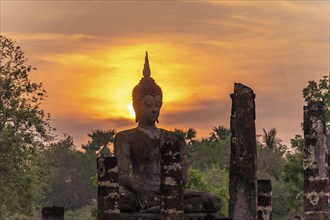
pixel 138 154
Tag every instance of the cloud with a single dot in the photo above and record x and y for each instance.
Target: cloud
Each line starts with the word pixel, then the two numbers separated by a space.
pixel 90 55
pixel 79 129
pixel 198 111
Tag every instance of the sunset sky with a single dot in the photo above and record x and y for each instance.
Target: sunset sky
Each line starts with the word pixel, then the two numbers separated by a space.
pixel 90 55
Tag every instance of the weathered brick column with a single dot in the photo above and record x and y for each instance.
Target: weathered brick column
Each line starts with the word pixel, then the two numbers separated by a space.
pixel 52 213
pixel 171 188
pixel 242 173
pixel 264 200
pixel 108 189
pixel 316 181
pixel 329 169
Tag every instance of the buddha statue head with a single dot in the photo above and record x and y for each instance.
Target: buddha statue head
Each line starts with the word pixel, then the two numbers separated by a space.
pixel 147 97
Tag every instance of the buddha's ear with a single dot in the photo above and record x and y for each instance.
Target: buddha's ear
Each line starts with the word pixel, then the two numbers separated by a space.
pixel 136 116
pixel 159 108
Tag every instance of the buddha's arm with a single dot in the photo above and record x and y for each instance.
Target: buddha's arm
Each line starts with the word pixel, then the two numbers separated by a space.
pixel 122 152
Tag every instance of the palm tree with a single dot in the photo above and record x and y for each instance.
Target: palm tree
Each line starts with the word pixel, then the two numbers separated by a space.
pixel 188 135
pixel 269 138
pixel 191 134
pixel 220 133
pixel 100 139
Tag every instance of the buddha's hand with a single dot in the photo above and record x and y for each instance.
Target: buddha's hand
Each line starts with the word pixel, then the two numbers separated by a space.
pixel 145 194
pixel 141 193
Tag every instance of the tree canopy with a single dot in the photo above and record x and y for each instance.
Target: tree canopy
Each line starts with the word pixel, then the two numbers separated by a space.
pixel 319 91
pixel 24 130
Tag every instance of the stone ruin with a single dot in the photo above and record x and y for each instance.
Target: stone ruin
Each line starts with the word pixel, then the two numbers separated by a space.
pixel 316 164
pixel 249 198
pixel 242 173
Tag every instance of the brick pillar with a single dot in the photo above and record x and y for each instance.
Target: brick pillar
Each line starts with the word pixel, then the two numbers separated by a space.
pixel 52 213
pixel 316 176
pixel 242 173
pixel 264 200
pixel 329 169
pixel 171 188
pixel 108 189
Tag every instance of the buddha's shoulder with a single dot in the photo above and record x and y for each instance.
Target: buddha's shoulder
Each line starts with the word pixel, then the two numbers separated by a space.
pixel 126 133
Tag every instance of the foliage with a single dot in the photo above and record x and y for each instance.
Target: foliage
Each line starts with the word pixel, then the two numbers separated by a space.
pixel 22 123
pixel 218 179
pixel 188 135
pixel 270 156
pixel 294 174
pixel 214 180
pixel 101 140
pixel 24 131
pixel 196 180
pixel 269 163
pixel 71 173
pixel 285 171
pixel 320 91
pixel 297 144
pixel 209 165
pixel 210 152
pixel 220 133
pixel 269 138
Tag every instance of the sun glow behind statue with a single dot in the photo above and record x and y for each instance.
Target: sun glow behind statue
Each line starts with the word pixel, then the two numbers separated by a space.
pixel 124 66
pixel 131 110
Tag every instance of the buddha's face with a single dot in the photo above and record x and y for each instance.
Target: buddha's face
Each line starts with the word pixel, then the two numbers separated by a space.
pixel 149 109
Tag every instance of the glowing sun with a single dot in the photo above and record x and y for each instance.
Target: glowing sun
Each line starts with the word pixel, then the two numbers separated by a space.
pixel 131 110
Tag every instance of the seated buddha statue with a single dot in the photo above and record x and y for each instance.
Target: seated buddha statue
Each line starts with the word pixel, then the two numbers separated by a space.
pixel 138 154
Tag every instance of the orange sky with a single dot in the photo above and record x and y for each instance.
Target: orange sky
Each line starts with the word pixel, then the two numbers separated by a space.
pixel 90 54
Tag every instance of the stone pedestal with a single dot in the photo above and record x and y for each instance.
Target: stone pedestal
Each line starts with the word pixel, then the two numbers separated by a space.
pixel 171 188
pixel 52 213
pixel 316 176
pixel 242 173
pixel 155 216
pixel 264 200
pixel 108 189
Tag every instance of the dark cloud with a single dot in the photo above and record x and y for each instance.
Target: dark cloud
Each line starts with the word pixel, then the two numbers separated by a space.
pixel 110 18
pixel 199 112
pixel 79 128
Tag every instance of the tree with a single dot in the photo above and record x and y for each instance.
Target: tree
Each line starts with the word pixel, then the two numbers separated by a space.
pixel 101 140
pixel 220 133
pixel 71 172
pixel 191 135
pixel 319 92
pixel 212 151
pixel 24 128
pixel 269 138
pixel 269 163
pixel 293 176
pixel 272 142
pixel 188 135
